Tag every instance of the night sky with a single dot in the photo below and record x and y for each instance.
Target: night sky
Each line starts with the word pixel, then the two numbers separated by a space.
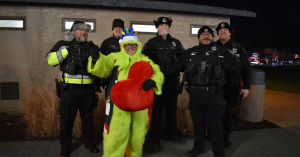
pixel 276 26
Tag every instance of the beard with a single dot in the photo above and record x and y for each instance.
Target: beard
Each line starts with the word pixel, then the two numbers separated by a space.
pixel 81 39
pixel 164 32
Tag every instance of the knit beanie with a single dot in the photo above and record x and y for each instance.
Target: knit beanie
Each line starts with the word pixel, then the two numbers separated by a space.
pixel 205 29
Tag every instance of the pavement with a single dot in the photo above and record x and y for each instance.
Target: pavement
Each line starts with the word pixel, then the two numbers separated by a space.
pixel 280 108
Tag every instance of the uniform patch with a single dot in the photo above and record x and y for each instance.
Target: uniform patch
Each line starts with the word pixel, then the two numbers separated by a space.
pixel 194 53
pixel 214 48
pixel 234 50
pixel 230 51
pixel 174 44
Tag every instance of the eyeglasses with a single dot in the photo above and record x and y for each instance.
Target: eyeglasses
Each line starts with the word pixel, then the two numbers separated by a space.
pixel 127 46
pixel 206 34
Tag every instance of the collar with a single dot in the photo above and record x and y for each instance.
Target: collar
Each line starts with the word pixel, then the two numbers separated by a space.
pixel 161 38
pixel 226 44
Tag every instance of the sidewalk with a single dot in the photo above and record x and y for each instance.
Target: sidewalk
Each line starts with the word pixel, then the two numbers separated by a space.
pixel 276 142
pixel 280 108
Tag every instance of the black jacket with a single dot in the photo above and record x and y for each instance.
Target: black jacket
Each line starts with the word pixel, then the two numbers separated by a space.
pixel 165 53
pixel 110 45
pixel 207 64
pixel 233 78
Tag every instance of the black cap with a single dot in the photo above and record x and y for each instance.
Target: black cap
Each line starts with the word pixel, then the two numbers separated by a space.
pixel 223 25
pixel 163 20
pixel 75 22
pixel 205 29
pixel 118 23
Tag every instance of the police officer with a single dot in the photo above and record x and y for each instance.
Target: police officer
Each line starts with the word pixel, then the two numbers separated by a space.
pixel 205 68
pixel 165 50
pixel 76 89
pixel 233 88
pixel 111 44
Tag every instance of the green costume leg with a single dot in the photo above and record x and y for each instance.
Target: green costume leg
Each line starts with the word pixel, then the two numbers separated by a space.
pixel 139 128
pixel 116 141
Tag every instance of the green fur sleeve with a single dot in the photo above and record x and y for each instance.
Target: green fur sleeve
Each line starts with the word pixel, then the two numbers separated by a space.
pixel 158 78
pixel 103 66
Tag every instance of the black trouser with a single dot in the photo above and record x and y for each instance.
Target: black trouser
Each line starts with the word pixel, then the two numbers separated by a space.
pixel 231 95
pixel 207 107
pixel 167 100
pixel 76 97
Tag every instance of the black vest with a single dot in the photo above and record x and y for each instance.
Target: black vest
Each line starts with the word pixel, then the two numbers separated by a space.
pixel 203 66
pixel 77 59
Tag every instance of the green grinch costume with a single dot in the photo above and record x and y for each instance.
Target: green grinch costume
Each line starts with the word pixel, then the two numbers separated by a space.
pixel 126 122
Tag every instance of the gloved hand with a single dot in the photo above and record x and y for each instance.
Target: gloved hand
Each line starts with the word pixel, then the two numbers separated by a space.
pixel 93 50
pixel 148 84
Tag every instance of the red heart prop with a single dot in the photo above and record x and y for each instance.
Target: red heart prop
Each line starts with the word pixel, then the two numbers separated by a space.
pixel 128 94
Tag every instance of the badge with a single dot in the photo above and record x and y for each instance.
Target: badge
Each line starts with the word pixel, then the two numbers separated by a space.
pixel 174 44
pixel 83 27
pixel 222 25
pixel 206 53
pixel 238 55
pixel 113 46
pixel 221 56
pixel 164 20
pixel 205 30
pixel 193 53
pixel 214 48
pixel 234 50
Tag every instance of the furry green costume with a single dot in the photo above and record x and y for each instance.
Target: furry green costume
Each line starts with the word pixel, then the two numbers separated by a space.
pixel 125 128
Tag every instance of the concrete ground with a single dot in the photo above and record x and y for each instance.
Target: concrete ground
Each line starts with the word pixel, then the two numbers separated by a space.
pixel 280 108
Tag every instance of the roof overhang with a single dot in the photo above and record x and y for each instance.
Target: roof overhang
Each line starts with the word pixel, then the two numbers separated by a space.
pixel 154 5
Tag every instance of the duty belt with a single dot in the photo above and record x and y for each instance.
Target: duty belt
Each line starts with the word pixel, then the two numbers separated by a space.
pixel 77 79
pixel 208 88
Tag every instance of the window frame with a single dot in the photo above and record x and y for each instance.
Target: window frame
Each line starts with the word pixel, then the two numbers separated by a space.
pixel 199 26
pixel 143 23
pixel 23 18
pixel 94 21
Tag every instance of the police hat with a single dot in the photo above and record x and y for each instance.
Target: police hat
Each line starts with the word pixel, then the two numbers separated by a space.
pixel 223 25
pixel 118 23
pixel 163 20
pixel 205 29
pixel 80 25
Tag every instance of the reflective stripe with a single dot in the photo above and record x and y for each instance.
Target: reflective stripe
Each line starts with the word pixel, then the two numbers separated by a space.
pixel 79 81
pixel 59 54
pixel 48 55
pixel 77 76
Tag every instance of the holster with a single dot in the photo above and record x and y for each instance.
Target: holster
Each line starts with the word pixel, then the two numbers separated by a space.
pixel 60 86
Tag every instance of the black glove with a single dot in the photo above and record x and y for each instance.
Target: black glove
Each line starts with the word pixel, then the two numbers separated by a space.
pixel 93 50
pixel 148 84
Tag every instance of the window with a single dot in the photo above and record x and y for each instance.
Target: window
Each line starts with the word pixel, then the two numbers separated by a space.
pixel 195 28
pixel 9 91
pixel 12 23
pixel 144 27
pixel 67 24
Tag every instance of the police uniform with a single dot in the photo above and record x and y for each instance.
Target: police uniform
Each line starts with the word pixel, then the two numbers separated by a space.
pixel 165 53
pixel 205 68
pixel 76 91
pixel 233 85
pixel 110 45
